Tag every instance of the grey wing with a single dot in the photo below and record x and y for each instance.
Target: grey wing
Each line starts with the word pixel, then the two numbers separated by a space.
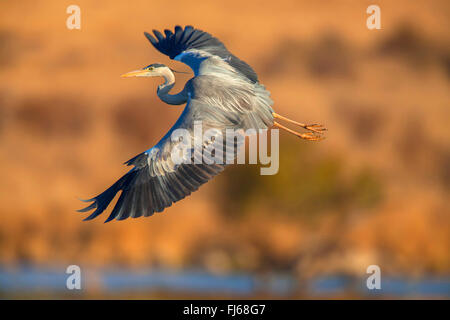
pixel 156 181
pixel 191 39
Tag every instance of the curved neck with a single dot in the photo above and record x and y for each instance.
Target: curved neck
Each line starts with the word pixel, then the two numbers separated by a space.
pixel 163 89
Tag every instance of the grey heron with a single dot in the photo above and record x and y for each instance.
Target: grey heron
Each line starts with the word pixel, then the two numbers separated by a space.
pixel 224 93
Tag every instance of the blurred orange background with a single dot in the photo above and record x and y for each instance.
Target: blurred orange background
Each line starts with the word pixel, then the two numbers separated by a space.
pixel 376 191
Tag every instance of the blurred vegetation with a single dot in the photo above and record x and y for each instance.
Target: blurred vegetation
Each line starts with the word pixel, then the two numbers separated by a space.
pixel 306 185
pixel 409 44
pixel 328 56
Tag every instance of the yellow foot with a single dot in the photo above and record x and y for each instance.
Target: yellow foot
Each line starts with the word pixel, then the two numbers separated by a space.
pixel 311 136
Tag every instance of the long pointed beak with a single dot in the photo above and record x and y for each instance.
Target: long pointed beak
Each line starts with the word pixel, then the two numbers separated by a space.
pixel 135 73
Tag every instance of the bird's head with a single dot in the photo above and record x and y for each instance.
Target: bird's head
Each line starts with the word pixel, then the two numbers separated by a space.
pixel 153 70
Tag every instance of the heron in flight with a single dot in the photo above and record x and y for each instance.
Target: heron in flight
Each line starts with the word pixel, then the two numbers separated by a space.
pixel 224 94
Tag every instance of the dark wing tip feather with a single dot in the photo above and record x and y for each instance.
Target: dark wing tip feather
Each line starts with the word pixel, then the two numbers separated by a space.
pixel 158 35
pixel 89 207
pixel 93 215
pixel 102 201
pixel 113 213
pixel 150 38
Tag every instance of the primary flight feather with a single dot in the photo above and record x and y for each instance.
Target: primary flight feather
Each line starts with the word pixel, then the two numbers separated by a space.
pixel 223 94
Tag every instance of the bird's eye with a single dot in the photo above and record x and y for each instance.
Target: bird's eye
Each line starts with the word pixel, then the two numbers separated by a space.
pixel 150 68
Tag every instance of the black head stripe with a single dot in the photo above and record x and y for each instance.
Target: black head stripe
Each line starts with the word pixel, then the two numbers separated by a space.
pixel 155 65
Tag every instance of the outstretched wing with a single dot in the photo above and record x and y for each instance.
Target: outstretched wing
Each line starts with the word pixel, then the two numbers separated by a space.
pixel 156 181
pixel 189 40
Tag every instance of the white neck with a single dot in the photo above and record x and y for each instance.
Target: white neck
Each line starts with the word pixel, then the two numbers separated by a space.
pixel 163 89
